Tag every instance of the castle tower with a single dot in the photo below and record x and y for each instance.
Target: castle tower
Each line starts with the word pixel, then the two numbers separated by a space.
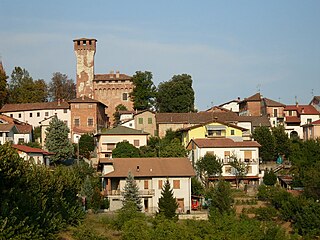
pixel 85 50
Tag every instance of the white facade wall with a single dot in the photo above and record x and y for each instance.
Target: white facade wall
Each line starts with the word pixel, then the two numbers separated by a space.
pixel 37 157
pixel 129 124
pixel 6 137
pixel 232 106
pixel 26 138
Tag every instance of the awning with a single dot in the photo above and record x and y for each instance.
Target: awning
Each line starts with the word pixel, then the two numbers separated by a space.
pixel 217 127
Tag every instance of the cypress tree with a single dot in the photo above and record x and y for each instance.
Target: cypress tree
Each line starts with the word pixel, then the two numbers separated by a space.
pixel 167 203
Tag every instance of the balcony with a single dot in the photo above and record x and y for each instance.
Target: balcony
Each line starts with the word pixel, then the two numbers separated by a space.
pixel 142 193
pixel 227 161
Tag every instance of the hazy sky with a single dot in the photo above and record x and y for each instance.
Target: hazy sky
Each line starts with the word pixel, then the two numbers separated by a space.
pixel 230 48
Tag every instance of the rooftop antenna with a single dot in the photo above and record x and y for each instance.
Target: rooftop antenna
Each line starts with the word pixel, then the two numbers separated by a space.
pixel 312 93
pixel 296 99
pixel 259 88
pixel 279 98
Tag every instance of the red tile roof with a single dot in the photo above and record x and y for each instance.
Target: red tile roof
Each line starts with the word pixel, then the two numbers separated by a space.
pixel 302 109
pixel 24 129
pixel 34 106
pixel 28 149
pixel 271 103
pixel 316 122
pixel 152 167
pixel 253 98
pixel 6 127
pixel 221 143
pixel 85 99
pixel 111 76
pixel 292 119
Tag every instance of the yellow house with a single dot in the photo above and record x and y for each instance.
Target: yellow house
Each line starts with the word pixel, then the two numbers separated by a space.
pixel 213 129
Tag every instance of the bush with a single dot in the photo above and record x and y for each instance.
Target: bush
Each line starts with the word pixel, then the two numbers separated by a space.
pixel 266 213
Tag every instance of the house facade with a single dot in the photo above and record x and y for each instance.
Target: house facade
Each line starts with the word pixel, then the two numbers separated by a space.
pixel 247 152
pixel 108 139
pixel 274 110
pixel 150 175
pixel 34 155
pixel 250 106
pixel 315 102
pixel 146 121
pixel 311 130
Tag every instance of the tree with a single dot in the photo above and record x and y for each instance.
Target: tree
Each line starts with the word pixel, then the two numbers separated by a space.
pixel 208 166
pixel 3 88
pixel 131 193
pixel 265 138
pixel 172 148
pixel 282 141
pixel 167 203
pixel 196 187
pixel 176 95
pixel 57 140
pixel 269 178
pixel 116 114
pixel 144 91
pixel 61 87
pixel 240 168
pixel 86 145
pixel 22 88
pixel 125 150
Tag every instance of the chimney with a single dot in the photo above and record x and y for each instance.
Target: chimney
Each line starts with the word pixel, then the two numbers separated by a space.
pixel 59 103
pixel 117 74
pixel 111 73
pixel 138 168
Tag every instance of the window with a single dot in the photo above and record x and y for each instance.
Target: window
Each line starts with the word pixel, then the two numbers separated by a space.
pixel 77 122
pixel 90 122
pixel 65 110
pixel 226 156
pixel 90 105
pixel 232 132
pixel 275 112
pixel 146 184
pixel 136 143
pixel 227 170
pixel 176 184
pixel 65 122
pixel 140 120
pixel 160 184
pixel 247 155
pixel 111 146
pixel 249 169
pixel 76 106
pixel 11 115
pixel 20 141
pixel 19 116
pixel 46 114
pixel 30 114
pixel 124 96
pixel 212 133
pixel 38 114
pixel 309 120
pixel 149 120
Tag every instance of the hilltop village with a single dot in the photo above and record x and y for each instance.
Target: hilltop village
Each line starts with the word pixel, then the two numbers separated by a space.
pixel 156 144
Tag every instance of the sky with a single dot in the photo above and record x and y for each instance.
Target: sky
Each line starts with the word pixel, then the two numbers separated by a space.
pixel 231 48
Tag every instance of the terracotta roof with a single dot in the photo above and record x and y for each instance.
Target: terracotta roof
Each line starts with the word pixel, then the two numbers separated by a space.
pixel 85 99
pixel 221 143
pixel 217 109
pixel 6 127
pixel 80 130
pixel 28 149
pixel 235 100
pixel 317 122
pixel 253 98
pixel 196 118
pixel 317 98
pixel 255 121
pixel 152 167
pixel 34 106
pixel 24 129
pixel 271 103
pixel 121 130
pixel 292 119
pixel 302 109
pixel 111 76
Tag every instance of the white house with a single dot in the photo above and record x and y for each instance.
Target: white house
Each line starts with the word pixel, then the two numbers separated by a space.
pixel 150 175
pixel 37 155
pixel 107 140
pixel 247 152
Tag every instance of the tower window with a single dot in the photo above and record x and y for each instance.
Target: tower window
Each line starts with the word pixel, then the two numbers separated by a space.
pixel 78 43
pixel 124 96
pixel 89 42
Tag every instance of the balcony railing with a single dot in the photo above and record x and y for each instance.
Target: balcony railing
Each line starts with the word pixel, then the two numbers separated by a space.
pixel 145 192
pixel 252 161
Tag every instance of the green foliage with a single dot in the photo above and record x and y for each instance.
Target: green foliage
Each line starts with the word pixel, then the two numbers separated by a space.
pixel 57 141
pixel 196 187
pixel 176 95
pixel 4 93
pixel 172 148
pixel 221 199
pixel 116 115
pixel 282 142
pixel 167 203
pixel 61 87
pixel 240 168
pixel 22 88
pixel 36 133
pixel 86 145
pixel 125 150
pixel 136 229
pixel 144 91
pixel 208 166
pixel 127 213
pixel 86 233
pixel 269 178
pixel 131 193
pixel 266 213
pixel 264 136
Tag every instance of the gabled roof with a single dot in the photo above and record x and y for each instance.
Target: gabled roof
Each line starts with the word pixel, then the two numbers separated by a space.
pixel 255 121
pixel 217 109
pixel 111 76
pixel 302 109
pixel 121 130
pixel 24 129
pixel 28 149
pixel 271 103
pixel 220 143
pixel 292 119
pixel 8 127
pixel 203 124
pixel 152 167
pixel 85 99
pixel 254 98
pixel 234 100
pixel 195 118
pixel 314 123
pixel 34 106
pixel 315 98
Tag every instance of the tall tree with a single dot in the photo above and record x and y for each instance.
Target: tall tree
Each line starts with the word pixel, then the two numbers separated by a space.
pixel 240 169
pixel 61 87
pixel 176 95
pixel 167 203
pixel 207 166
pixel 125 150
pixel 282 141
pixel 144 91
pixel 116 114
pixel 86 145
pixel 265 138
pixel 22 88
pixel 131 193
pixel 3 88
pixel 57 140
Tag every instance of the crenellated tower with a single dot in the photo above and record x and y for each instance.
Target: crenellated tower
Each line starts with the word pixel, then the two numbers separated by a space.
pixel 85 49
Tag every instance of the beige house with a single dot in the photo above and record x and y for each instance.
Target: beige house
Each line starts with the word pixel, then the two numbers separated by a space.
pixel 150 175
pixel 146 121
pixel 108 139
pixel 34 155
pixel 311 130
